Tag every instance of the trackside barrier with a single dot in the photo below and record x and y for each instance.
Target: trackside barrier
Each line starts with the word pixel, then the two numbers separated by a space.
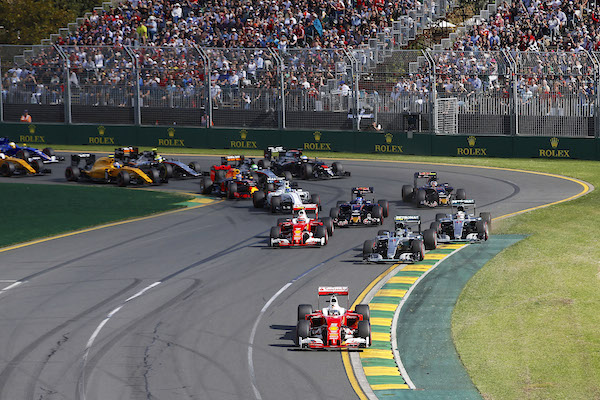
pixel 237 140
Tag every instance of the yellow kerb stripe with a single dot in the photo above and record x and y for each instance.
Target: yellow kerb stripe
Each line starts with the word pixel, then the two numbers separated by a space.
pixel 450 246
pixel 429 256
pixel 381 371
pixel 403 279
pixel 380 336
pixel 377 353
pixel 390 386
pixel 383 306
pixel 391 292
pixel 418 268
pixel 381 321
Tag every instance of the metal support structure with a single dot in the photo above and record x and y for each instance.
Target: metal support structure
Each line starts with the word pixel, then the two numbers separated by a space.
pixel 137 111
pixel 597 99
pixel 1 93
pixel 356 89
pixel 207 85
pixel 433 97
pixel 514 107
pixel 281 66
pixel 67 98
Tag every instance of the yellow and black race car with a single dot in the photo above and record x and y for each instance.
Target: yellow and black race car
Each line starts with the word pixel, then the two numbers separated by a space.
pixel 108 170
pixel 10 166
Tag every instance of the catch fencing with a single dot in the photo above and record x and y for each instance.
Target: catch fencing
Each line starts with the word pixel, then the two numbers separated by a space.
pixel 371 88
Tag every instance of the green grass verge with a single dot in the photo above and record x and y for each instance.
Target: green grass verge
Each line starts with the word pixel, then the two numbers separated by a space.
pixel 35 211
pixel 526 325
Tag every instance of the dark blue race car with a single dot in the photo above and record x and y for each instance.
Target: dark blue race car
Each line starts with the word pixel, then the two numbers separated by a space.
pixel 11 149
pixel 430 193
pixel 359 210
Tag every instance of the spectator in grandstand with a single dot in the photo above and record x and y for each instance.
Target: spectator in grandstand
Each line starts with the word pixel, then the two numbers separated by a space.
pixel 26 117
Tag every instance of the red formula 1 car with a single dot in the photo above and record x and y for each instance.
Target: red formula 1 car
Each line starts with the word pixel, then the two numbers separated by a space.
pixel 302 230
pixel 333 327
pixel 230 179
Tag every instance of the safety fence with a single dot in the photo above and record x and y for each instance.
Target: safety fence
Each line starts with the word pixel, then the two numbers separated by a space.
pixel 364 89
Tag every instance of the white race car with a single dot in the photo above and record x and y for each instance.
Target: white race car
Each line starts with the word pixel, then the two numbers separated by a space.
pixel 284 198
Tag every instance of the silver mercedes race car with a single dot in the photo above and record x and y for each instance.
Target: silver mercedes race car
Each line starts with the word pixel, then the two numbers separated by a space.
pixel 284 197
pixel 462 225
pixel 405 244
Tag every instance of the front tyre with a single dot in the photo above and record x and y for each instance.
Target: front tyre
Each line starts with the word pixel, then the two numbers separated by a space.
pixel 364 310
pixel 206 185
pixel 385 207
pixel 123 179
pixel 418 250
pixel 407 191
pixel 430 239
pixel 368 248
pixel 302 331
pixel 258 199
pixel 461 194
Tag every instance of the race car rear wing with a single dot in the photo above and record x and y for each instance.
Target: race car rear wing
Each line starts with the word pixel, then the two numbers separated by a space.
pixel 123 153
pixel 407 218
pixel 233 160
pixel 456 203
pixel 329 290
pixel 87 157
pixel 307 207
pixel 362 190
pixel 278 150
pixel 425 175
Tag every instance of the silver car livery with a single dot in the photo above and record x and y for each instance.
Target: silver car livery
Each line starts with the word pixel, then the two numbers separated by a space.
pixel 462 225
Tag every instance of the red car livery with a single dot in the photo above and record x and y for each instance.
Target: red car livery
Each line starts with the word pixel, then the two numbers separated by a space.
pixel 301 230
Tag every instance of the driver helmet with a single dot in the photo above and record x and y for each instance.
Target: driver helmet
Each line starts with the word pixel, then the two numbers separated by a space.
pixel 2 156
pixel 238 176
pixel 433 183
pixel 117 164
pixel 302 216
pixel 333 306
pixel 304 158
pixel 460 213
pixel 287 186
pixel 12 145
pixel 254 167
pixel 359 200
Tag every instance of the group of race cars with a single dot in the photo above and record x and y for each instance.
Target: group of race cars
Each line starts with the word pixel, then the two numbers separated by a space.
pixel 269 182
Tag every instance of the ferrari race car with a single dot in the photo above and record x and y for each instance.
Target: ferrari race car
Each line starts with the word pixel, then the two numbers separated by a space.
pixel 431 193
pixel 11 149
pixel 284 198
pixel 302 230
pixel 108 170
pixel 149 159
pixel 299 166
pixel 360 211
pixel 332 326
pixel 228 180
pixel 462 225
pixel 406 244
pixel 10 166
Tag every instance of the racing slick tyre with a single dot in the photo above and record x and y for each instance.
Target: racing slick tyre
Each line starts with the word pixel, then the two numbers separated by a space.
pixel 232 189
pixel 49 151
pixel 430 239
pixel 461 194
pixel 377 212
pixel 206 185
pixel 23 154
pixel 421 197
pixel 123 178
pixel 385 207
pixel 274 234
pixel 37 165
pixel 166 171
pixel 8 169
pixel 334 212
pixel 487 217
pixel 281 220
pixel 338 168
pixel 368 248
pixel 407 191
pixel 264 164
pixel 258 199
pixel 436 226
pixel 364 329
pixel 304 310
pixel 72 174
pixel 302 331
pixel 417 248
pixel 321 232
pixel 275 204
pixel 195 165
pixel 382 232
pixel 364 310
pixel 270 187
pixel 220 175
pixel 328 223
pixel 339 203
pixel 316 199
pixel 482 230
pixel 288 176
pixel 154 175
pixel 439 216
pixel 307 171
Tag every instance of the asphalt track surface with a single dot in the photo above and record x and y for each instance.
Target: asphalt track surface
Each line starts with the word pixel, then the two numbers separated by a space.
pixel 180 306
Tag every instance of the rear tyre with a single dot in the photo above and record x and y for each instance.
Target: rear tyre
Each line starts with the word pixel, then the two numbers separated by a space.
pixel 8 169
pixel 487 217
pixel 385 206
pixel 264 164
pixel 368 248
pixel 436 226
pixel 281 220
pixel 461 194
pixel 307 171
pixel 364 310
pixel 339 203
pixel 421 197
pixel 258 199
pixel 206 185
pixel 338 168
pixel 37 165
pixel 482 230
pixel 430 239
pixel 270 187
pixel 232 189
pixel 123 178
pixel 440 216
pixel 364 329
pixel 382 232
pixel 304 310
pixel 154 175
pixel 49 151
pixel 23 154
pixel 334 212
pixel 302 331
pixel 275 204
pixel 417 248
pixel 166 171
pixel 316 199
pixel 72 174
pixel 220 175
pixel 377 212
pixel 195 165
pixel 328 223
pixel 288 176
pixel 406 193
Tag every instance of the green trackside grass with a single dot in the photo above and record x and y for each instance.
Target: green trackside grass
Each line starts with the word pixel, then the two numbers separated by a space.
pixel 527 326
pixel 33 211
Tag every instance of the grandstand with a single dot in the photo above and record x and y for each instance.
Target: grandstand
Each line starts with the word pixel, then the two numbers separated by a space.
pixel 312 65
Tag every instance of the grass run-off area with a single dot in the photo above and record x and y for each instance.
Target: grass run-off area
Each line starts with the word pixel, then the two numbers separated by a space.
pixel 527 326
pixel 34 211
